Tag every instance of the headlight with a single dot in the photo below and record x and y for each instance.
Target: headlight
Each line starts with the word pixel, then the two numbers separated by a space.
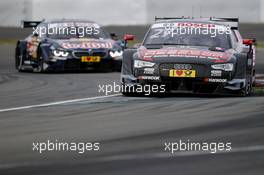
pixel 115 54
pixel 225 67
pixel 60 53
pixel 140 64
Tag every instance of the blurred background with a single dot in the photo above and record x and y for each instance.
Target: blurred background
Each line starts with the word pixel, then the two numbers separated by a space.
pixel 127 12
pixel 129 16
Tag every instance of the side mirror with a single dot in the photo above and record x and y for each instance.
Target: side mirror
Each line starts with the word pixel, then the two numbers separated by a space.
pixel 114 36
pixel 128 37
pixel 249 42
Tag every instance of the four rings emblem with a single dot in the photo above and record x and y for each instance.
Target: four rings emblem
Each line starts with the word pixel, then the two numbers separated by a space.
pixel 182 66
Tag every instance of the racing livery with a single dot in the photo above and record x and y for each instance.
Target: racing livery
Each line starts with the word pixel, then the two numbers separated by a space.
pixel 69 45
pixel 205 55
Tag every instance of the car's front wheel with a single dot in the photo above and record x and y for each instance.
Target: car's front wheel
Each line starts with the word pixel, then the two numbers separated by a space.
pixel 247 90
pixel 19 60
pixel 42 66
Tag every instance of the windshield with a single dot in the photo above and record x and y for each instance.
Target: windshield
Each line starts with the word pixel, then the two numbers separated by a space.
pixel 72 30
pixel 190 36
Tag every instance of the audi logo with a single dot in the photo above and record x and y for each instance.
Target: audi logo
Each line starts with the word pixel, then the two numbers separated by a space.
pixel 182 66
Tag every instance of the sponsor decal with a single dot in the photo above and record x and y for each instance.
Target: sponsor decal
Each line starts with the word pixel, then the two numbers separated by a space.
pixel 216 73
pixel 212 80
pixel 187 53
pixel 182 73
pixel 185 24
pixel 91 59
pixel 249 62
pixel 149 77
pixel 87 45
pixel 149 71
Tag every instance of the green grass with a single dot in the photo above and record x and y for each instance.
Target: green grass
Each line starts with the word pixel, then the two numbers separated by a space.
pixel 260 44
pixel 132 43
pixel 8 41
pixel 259 90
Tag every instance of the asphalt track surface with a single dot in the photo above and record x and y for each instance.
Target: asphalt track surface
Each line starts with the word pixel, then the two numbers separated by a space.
pixel 131 130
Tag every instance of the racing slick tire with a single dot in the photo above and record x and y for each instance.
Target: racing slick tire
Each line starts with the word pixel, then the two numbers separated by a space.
pixel 19 60
pixel 248 89
pixel 41 64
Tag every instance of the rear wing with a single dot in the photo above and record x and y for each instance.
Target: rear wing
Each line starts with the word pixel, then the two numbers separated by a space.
pixel 231 22
pixel 30 24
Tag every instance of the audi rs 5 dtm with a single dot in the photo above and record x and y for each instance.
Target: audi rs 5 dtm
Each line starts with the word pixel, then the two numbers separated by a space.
pixel 205 55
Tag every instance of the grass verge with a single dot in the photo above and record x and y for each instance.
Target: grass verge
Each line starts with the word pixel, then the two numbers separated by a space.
pixel 259 90
pixel 260 44
pixel 8 41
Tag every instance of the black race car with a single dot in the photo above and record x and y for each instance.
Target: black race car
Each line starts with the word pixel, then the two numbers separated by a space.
pixel 205 55
pixel 69 45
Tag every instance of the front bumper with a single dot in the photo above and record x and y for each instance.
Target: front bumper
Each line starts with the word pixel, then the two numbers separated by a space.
pixel 207 80
pixel 77 64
